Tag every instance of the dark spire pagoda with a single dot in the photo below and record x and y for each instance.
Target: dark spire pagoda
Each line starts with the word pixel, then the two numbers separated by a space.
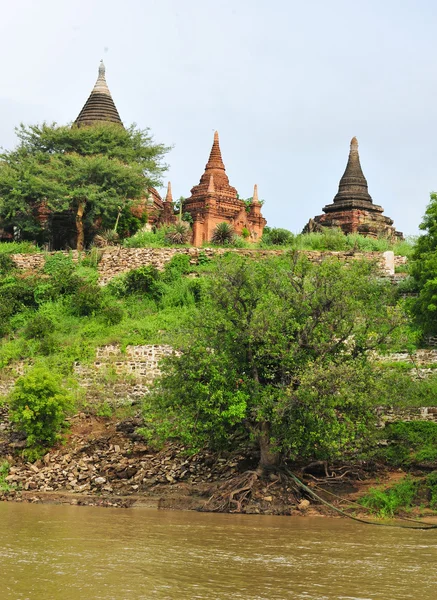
pixel 100 107
pixel 352 209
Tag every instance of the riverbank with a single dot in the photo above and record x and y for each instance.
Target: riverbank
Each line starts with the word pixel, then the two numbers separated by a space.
pixel 104 462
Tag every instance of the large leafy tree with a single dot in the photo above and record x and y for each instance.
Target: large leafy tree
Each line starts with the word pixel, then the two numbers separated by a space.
pixel 87 174
pixel 279 352
pixel 423 269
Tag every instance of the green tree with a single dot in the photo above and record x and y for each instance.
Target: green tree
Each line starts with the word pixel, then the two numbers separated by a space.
pixel 423 269
pixel 278 351
pixel 38 406
pixel 88 174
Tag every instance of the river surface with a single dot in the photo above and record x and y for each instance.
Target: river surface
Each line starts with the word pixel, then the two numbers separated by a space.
pixel 71 553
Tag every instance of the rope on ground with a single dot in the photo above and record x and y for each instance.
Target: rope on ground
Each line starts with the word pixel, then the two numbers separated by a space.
pixel 313 494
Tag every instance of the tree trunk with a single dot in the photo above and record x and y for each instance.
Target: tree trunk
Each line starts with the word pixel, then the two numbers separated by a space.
pixel 80 243
pixel 268 460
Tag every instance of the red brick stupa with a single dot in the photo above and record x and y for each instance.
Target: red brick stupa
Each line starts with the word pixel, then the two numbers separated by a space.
pixel 215 201
pixel 353 210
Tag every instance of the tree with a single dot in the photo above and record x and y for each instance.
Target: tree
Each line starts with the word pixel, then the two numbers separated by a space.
pixel 88 175
pixel 38 405
pixel 278 352
pixel 423 269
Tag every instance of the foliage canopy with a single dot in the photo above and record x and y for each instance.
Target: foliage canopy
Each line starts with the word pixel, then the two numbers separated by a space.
pixel 278 353
pixel 88 175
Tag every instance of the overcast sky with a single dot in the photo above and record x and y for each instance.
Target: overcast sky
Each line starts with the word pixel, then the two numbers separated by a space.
pixel 286 83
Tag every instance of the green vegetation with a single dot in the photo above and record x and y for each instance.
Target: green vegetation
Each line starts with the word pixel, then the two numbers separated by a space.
pixel 80 176
pixel 278 354
pixel 423 270
pixel 275 237
pixel 39 405
pixel 386 503
pixel 4 472
pixel 410 443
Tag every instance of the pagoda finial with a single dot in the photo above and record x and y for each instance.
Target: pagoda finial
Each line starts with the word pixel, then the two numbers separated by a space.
pixel 255 195
pixel 169 196
pixel 354 144
pixel 102 69
pixel 211 186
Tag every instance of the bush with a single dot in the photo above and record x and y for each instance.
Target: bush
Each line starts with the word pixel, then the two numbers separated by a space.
pixel 112 314
pixel 38 406
pixel 143 280
pixel 388 502
pixel 223 234
pixel 38 327
pixel 179 265
pixel 6 264
pixel 410 442
pixel 178 234
pixel 87 300
pixel 17 293
pixel 277 236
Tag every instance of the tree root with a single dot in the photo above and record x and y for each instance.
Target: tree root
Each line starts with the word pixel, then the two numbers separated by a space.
pixel 236 493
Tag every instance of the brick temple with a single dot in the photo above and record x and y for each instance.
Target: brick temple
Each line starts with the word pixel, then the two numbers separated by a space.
pixel 352 209
pixel 215 201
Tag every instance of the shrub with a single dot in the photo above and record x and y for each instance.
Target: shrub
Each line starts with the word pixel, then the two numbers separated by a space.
pixel 59 265
pixel 4 472
pixel 38 406
pixel 277 236
pixel 17 293
pixel 87 300
pixel 176 267
pixel 143 280
pixel 410 442
pixel 388 502
pixel 112 314
pixel 38 327
pixel 6 264
pixel 178 234
pixel 223 234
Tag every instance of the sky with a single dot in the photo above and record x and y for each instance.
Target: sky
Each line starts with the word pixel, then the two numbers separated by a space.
pixel 286 83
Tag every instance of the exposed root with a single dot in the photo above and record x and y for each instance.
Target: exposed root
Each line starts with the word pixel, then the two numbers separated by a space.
pixel 237 493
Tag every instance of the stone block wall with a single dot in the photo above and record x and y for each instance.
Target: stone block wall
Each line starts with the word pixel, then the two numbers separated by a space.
pixel 117 260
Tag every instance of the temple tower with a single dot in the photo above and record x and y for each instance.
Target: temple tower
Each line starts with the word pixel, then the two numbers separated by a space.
pixel 215 201
pixel 100 107
pixel 352 209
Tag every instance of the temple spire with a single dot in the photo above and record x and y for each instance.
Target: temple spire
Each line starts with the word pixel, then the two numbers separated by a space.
pixel 100 107
pixel 215 158
pixel 169 195
pixel 353 184
pixel 211 186
pixel 255 195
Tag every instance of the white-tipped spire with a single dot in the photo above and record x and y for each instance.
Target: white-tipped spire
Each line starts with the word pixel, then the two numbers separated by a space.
pixel 101 87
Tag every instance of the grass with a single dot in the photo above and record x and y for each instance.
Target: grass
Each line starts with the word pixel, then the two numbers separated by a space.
pixel 18 248
pixel 387 503
pixel 333 240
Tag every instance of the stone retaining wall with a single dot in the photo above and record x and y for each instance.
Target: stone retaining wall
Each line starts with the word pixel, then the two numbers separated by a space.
pixel 116 260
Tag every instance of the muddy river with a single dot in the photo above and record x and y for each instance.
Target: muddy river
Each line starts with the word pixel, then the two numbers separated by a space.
pixel 72 553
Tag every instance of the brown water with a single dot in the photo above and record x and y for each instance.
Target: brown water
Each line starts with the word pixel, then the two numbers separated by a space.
pixel 72 553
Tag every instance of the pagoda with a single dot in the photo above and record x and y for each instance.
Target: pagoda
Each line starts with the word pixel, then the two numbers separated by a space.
pixel 352 209
pixel 215 201
pixel 100 108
